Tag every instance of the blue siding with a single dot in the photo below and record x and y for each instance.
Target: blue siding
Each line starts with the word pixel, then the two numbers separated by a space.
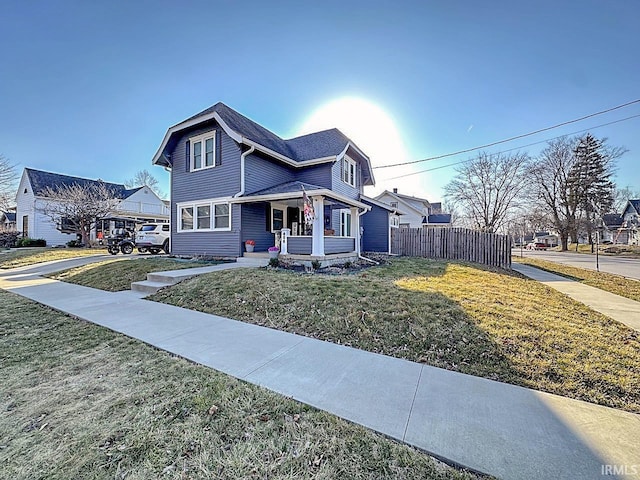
pixel 317 175
pixel 219 181
pixel 339 245
pixel 339 186
pixel 216 244
pixel 375 223
pixel 300 245
pixel 254 226
pixel 261 173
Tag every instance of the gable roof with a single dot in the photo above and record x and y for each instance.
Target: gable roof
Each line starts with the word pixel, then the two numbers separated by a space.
pixel 612 220
pixel 40 180
pixel 9 216
pixel 439 218
pixel 310 149
pixel 406 200
pixel 635 204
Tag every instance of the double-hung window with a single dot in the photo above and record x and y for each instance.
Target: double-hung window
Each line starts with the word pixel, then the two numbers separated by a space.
pixel 203 151
pixel 345 223
pixel 204 216
pixel 349 171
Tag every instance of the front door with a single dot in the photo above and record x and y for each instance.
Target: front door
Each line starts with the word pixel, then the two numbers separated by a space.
pixel 293 217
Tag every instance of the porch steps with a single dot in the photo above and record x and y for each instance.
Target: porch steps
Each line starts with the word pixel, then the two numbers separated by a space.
pixel 156 281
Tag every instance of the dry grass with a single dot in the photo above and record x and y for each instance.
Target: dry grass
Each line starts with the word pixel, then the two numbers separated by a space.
pixel 79 401
pixel 115 276
pixel 486 323
pixel 28 256
pixel 609 282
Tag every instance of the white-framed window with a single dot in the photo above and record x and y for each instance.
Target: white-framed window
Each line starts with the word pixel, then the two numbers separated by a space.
pixel 278 217
pixel 203 151
pixel 394 204
pixel 349 171
pixel 345 223
pixel 213 215
pixel 394 221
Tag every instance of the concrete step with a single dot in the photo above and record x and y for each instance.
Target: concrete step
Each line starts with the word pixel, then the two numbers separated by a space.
pixel 148 286
pixel 253 261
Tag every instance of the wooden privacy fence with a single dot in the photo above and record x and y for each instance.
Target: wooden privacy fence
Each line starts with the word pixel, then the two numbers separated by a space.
pixel 453 244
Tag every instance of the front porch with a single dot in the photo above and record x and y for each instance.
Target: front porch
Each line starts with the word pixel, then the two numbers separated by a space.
pixel 332 236
pixel 306 260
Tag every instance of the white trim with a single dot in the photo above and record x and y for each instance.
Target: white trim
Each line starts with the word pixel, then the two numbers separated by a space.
pixel 211 203
pixel 345 228
pixel 283 208
pixel 345 169
pixel 156 160
pixel 380 204
pixel 287 196
pixel 202 139
pixel 361 153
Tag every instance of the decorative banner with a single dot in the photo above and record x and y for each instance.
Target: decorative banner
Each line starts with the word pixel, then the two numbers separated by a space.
pixel 309 214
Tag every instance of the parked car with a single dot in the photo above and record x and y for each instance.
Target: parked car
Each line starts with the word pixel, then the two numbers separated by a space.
pixel 153 237
pixel 537 246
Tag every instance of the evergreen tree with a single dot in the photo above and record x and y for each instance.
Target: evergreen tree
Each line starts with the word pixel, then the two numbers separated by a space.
pixel 590 184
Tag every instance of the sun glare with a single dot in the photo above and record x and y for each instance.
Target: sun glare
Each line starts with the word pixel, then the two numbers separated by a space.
pixel 374 132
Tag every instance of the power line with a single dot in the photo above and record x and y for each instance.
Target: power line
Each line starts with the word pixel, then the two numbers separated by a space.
pixel 515 148
pixel 511 138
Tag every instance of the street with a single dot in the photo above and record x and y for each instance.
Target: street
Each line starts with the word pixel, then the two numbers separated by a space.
pixel 627 267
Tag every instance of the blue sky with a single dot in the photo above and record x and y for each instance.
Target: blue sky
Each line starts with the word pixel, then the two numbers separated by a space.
pixel 90 88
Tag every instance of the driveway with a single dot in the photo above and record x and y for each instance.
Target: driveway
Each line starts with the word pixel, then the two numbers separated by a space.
pixel 627 267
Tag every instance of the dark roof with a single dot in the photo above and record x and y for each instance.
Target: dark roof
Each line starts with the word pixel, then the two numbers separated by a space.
pixel 288 187
pixel 41 180
pixel 635 204
pixel 10 216
pixel 326 143
pixel 612 220
pixel 437 218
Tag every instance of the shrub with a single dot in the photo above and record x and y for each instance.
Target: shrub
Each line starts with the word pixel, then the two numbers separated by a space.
pixel 8 239
pixel 31 242
pixel 315 264
pixel 274 262
pixel 75 244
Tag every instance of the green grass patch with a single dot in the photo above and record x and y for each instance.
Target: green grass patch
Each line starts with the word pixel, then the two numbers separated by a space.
pixel 29 256
pixel 483 322
pixel 117 275
pixel 80 401
pixel 608 282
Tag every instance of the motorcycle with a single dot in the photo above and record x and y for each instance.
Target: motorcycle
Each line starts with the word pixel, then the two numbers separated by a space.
pixel 121 240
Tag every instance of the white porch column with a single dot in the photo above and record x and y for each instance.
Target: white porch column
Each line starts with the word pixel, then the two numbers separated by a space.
pixel 284 240
pixel 355 227
pixel 317 242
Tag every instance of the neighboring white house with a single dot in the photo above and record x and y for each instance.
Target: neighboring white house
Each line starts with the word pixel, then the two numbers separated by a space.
pixel 416 212
pixel 8 221
pixel 137 204
pixel 631 221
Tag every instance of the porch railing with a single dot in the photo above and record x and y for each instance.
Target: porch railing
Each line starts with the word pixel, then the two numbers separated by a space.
pixel 301 245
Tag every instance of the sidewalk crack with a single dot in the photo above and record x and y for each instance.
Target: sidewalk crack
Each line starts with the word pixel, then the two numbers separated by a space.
pixel 413 401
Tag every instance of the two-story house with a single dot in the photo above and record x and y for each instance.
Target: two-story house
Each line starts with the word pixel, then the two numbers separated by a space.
pixel 417 212
pixel 631 221
pixel 138 204
pixel 233 180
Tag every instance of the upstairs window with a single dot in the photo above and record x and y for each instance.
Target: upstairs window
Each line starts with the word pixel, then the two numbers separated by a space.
pixel 349 171
pixel 203 151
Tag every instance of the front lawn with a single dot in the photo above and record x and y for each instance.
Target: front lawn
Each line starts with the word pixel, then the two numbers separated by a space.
pixel 464 318
pixel 21 257
pixel 79 401
pixel 115 276
pixel 605 281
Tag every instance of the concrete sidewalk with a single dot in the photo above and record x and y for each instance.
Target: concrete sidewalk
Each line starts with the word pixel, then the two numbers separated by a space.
pixel 614 306
pixel 495 428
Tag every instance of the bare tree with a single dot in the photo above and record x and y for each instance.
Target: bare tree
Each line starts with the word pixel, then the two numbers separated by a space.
pixel 552 176
pixel 8 180
pixel 621 196
pixel 77 207
pixel 142 178
pixel 488 187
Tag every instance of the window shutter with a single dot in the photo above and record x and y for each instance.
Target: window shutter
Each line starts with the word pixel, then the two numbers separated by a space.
pixel 218 152
pixel 267 216
pixel 187 155
pixel 342 169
